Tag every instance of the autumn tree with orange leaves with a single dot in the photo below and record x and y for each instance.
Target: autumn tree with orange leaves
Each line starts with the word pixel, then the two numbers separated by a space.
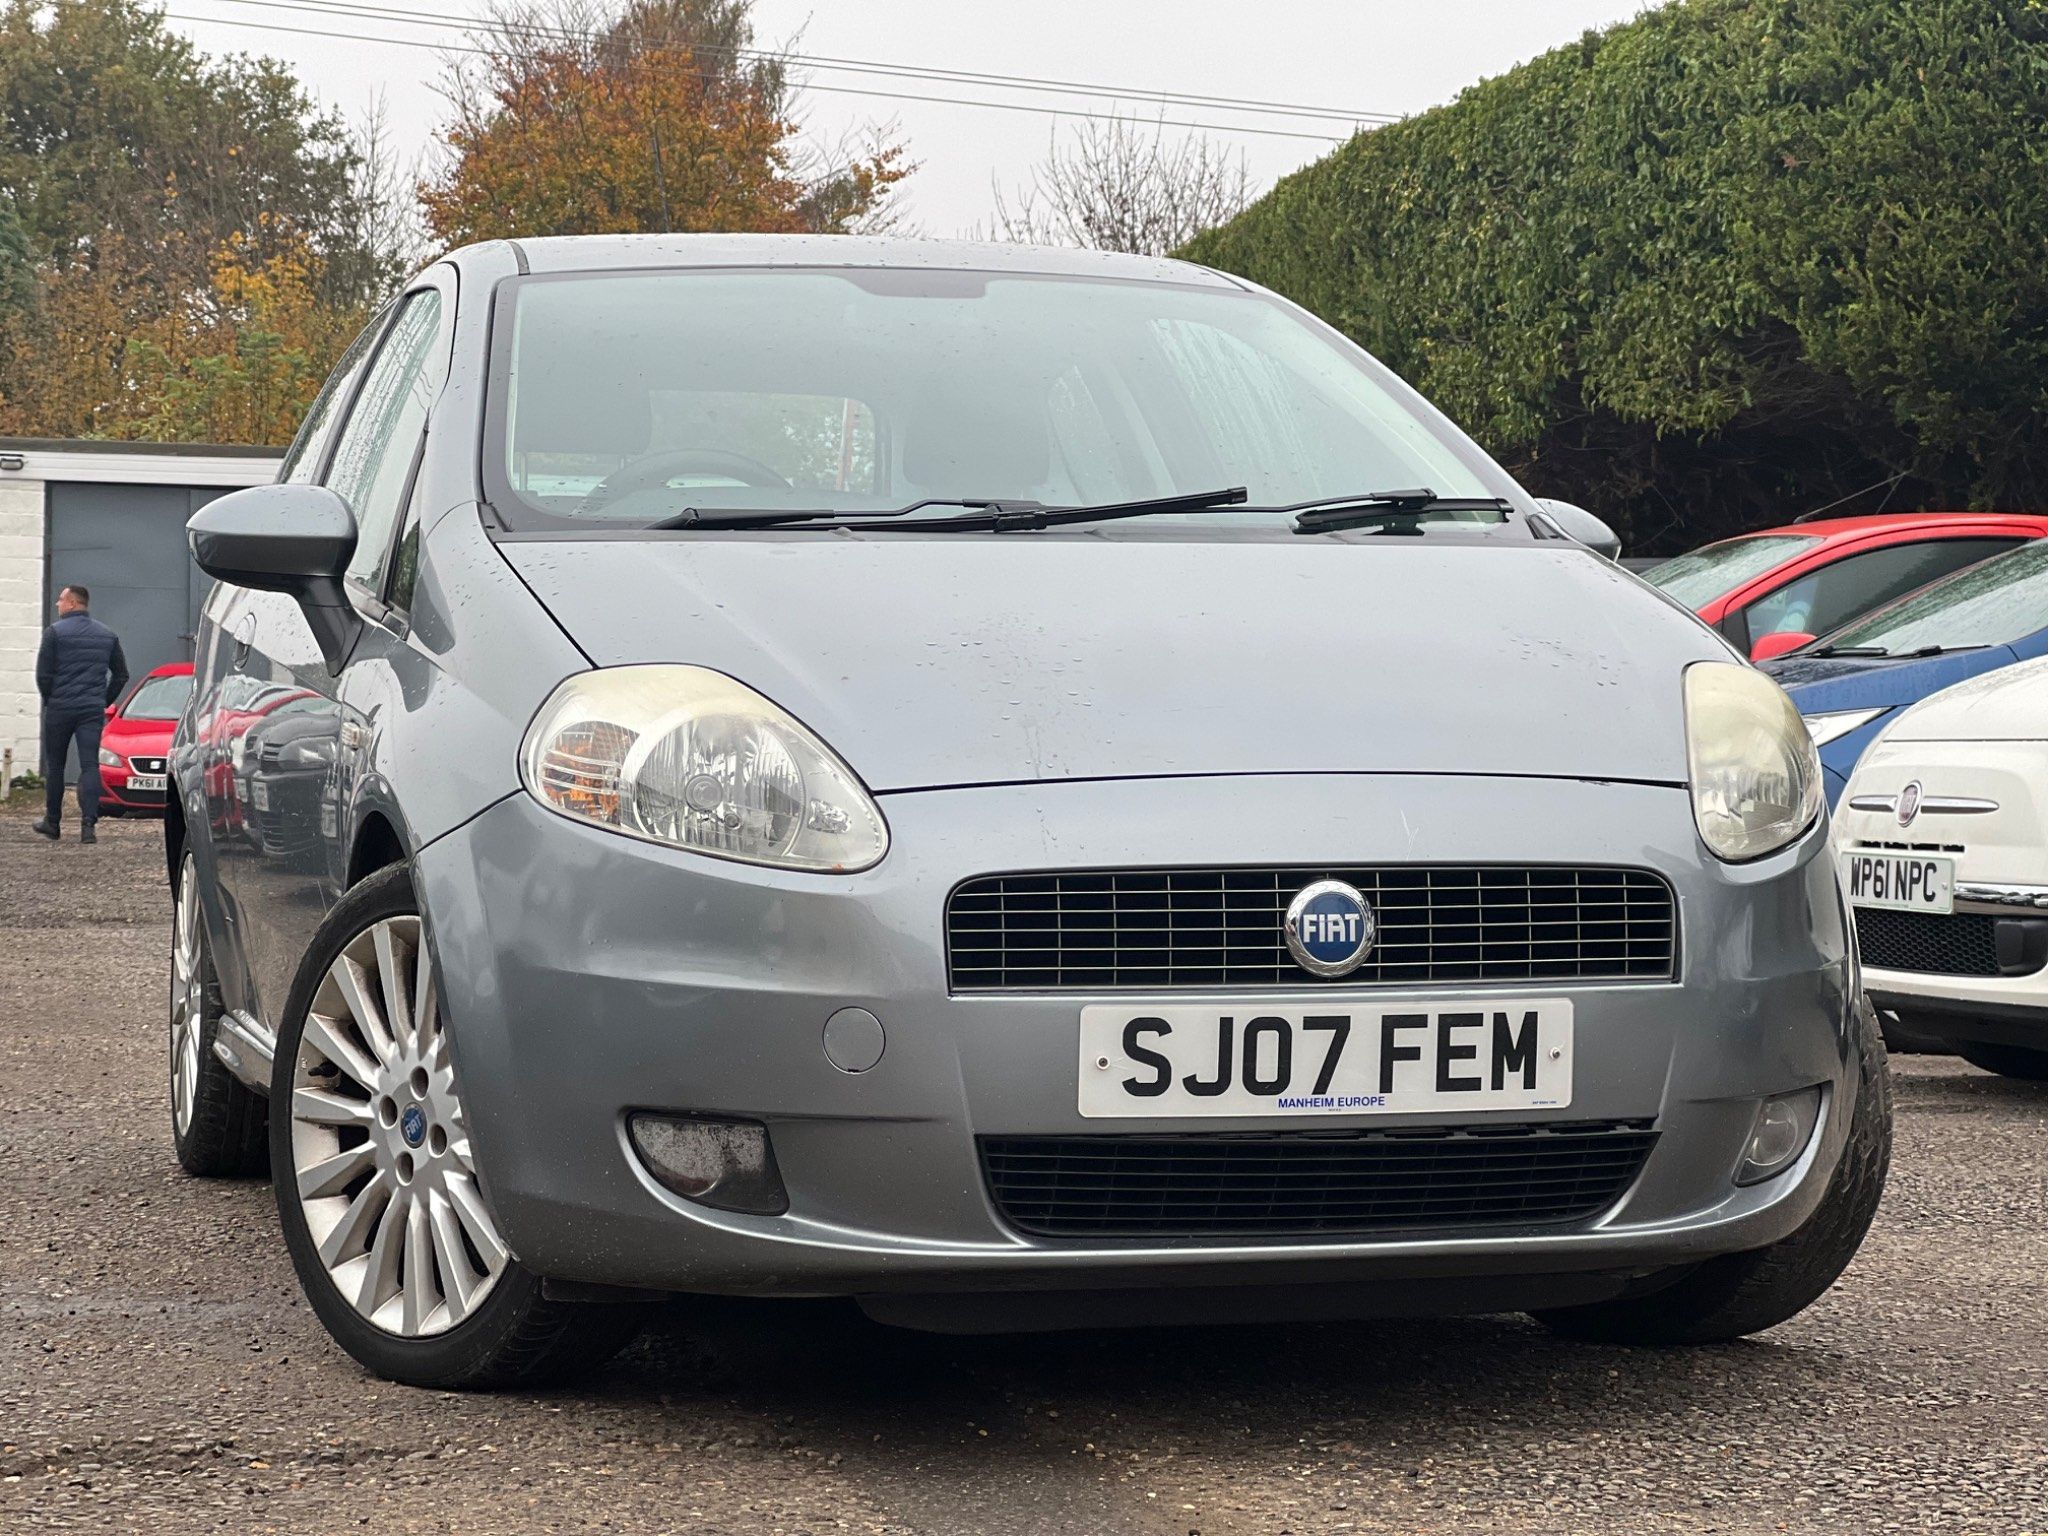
pixel 186 243
pixel 577 121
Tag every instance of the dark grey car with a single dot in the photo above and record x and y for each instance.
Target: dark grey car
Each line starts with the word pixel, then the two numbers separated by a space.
pixel 1027 788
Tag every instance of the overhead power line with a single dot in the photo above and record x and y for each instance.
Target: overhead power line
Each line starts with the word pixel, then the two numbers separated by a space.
pixel 1037 83
pixel 387 14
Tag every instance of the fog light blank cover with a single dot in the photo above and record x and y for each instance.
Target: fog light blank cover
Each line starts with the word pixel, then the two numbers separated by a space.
pixel 1784 1125
pixel 728 1164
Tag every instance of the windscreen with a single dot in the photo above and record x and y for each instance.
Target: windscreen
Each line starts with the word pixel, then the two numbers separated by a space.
pixel 1705 574
pixel 1993 603
pixel 159 698
pixel 626 398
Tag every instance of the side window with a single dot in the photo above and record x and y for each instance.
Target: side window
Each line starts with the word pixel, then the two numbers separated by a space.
pixel 405 564
pixel 1833 595
pixel 373 456
pixel 302 460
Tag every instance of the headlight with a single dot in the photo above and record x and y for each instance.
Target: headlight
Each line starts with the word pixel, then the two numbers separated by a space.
pixel 688 757
pixel 109 759
pixel 1755 774
pixel 1825 728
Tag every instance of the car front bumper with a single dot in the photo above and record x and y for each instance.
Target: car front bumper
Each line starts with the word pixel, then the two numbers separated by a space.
pixel 119 796
pixel 1936 1011
pixel 586 975
pixel 1994 831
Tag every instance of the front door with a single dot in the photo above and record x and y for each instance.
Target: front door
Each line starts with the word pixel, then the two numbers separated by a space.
pixel 295 769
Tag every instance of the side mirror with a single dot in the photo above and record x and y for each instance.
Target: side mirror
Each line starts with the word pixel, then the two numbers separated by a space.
pixel 1778 644
pixel 285 538
pixel 111 708
pixel 1582 527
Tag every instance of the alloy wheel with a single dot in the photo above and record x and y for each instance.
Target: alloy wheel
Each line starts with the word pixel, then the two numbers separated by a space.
pixel 381 1161
pixel 188 999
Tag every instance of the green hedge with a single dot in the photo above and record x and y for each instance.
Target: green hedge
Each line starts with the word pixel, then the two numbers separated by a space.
pixel 1715 266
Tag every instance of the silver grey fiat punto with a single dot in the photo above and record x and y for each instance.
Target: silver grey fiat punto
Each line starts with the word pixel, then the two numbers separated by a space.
pixel 1028 789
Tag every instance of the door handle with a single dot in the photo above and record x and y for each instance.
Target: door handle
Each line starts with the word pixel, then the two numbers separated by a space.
pixel 245 636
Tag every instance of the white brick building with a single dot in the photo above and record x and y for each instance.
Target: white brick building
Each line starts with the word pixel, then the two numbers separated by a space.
pixel 112 516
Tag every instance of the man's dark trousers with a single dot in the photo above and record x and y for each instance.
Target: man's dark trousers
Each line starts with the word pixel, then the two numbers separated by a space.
pixel 62 727
pixel 80 671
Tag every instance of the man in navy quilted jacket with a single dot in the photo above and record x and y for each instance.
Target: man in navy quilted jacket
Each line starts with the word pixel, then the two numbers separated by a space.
pixel 79 672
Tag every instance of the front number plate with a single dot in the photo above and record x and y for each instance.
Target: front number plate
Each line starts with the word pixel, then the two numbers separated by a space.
pixel 1900 882
pixel 1324 1058
pixel 140 781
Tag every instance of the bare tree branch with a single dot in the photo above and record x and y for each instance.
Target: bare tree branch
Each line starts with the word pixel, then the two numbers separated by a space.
pixel 382 211
pixel 1116 186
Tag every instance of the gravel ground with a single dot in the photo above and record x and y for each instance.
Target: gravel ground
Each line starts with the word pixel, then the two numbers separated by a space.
pixel 159 1372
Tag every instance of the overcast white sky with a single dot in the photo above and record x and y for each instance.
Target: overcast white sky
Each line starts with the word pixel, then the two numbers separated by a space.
pixel 1384 56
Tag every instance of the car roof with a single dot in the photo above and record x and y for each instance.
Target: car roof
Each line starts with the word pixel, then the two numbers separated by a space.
pixel 1865 524
pixel 169 669
pixel 596 253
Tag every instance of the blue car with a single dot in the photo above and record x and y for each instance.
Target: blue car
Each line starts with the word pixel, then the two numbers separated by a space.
pixel 1849 684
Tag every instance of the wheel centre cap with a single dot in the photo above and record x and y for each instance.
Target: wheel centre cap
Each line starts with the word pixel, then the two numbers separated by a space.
pixel 412 1125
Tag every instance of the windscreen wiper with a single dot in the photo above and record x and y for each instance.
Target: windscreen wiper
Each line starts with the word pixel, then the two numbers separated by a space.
pixel 774 517
pixel 1396 511
pixel 1012 517
pixel 1918 653
pixel 988 515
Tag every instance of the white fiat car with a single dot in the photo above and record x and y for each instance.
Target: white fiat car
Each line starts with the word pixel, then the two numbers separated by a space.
pixel 1943 836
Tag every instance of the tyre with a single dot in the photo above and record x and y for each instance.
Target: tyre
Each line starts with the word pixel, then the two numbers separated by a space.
pixel 2007 1060
pixel 1738 1294
pixel 383 1214
pixel 217 1122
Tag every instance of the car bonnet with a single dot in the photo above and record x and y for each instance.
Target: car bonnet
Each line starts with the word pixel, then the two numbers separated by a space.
pixel 1820 684
pixel 934 660
pixel 127 736
pixel 2010 704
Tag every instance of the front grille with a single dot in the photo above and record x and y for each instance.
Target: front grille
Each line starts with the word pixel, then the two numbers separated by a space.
pixel 146 764
pixel 1942 943
pixel 1095 930
pixel 1303 1183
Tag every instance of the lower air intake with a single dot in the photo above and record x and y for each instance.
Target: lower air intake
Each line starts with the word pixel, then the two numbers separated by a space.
pixel 1312 1183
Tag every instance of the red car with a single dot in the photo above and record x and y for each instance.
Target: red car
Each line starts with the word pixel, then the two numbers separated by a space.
pixel 1773 591
pixel 243 703
pixel 136 738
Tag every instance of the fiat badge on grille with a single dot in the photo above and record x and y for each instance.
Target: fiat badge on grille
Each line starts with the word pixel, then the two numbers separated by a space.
pixel 1330 928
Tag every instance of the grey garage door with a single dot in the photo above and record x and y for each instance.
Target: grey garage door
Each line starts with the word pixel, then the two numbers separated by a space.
pixel 126 543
